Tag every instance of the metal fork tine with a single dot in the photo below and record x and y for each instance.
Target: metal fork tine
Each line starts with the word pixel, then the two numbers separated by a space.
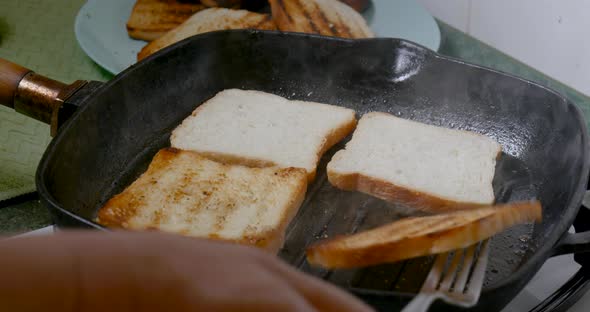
pixel 479 271
pixel 451 271
pixel 436 271
pixel 472 272
pixel 467 264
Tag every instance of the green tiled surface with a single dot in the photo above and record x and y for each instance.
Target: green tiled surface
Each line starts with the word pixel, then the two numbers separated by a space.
pixel 37 34
pixel 40 35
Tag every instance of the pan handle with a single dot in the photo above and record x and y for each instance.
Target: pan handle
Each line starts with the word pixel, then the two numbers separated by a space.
pixel 578 243
pixel 32 94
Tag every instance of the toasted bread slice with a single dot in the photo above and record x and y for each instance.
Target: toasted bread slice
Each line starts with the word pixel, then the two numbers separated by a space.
pixel 324 17
pixel 259 129
pixel 222 3
pixel 357 5
pixel 420 236
pixel 209 20
pixel 424 167
pixel 150 19
pixel 183 192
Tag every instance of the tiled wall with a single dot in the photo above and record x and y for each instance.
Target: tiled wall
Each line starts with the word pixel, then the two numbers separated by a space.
pixel 552 36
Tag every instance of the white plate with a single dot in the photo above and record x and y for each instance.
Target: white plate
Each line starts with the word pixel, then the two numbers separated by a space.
pixel 100 29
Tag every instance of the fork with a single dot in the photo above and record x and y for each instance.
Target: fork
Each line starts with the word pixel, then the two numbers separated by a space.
pixel 457 283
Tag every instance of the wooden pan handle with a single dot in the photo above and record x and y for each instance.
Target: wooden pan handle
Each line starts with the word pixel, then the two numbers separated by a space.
pixel 34 95
pixel 10 76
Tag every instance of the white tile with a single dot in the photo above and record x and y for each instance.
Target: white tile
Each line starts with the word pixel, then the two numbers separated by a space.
pixel 551 36
pixel 452 12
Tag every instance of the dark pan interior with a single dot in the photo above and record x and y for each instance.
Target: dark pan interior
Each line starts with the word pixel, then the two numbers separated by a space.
pixel 113 137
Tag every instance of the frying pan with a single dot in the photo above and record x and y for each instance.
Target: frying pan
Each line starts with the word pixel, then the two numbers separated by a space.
pixel 112 130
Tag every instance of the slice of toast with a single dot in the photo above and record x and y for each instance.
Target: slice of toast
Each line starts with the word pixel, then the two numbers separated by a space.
pixel 150 19
pixel 185 193
pixel 209 20
pixel 222 3
pixel 420 236
pixel 357 5
pixel 424 167
pixel 323 17
pixel 259 129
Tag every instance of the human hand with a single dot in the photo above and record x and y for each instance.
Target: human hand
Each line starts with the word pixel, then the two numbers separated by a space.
pixel 97 271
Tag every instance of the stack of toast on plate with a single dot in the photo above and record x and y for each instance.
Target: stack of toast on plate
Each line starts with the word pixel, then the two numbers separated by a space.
pixel 164 22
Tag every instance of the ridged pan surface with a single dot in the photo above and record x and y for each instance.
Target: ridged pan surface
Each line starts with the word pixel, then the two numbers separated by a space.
pixel 112 138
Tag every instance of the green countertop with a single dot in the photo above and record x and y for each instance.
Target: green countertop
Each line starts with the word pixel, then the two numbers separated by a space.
pixel 45 42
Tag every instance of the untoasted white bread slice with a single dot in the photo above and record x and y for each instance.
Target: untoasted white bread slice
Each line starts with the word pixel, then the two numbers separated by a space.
pixel 420 236
pixel 260 129
pixel 209 20
pixel 151 19
pixel 185 193
pixel 429 168
pixel 324 17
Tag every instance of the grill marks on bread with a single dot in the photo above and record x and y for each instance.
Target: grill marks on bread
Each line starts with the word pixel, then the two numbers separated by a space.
pixel 324 17
pixel 164 22
pixel 184 192
pixel 151 19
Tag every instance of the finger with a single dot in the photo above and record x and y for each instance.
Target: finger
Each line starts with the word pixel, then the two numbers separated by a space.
pixel 280 297
pixel 322 295
pixel 327 297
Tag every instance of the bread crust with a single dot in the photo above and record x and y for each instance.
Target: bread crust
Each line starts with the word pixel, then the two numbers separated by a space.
pixel 324 17
pixel 396 194
pixel 389 191
pixel 207 20
pixel 222 3
pixel 331 140
pixel 150 19
pixel 337 135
